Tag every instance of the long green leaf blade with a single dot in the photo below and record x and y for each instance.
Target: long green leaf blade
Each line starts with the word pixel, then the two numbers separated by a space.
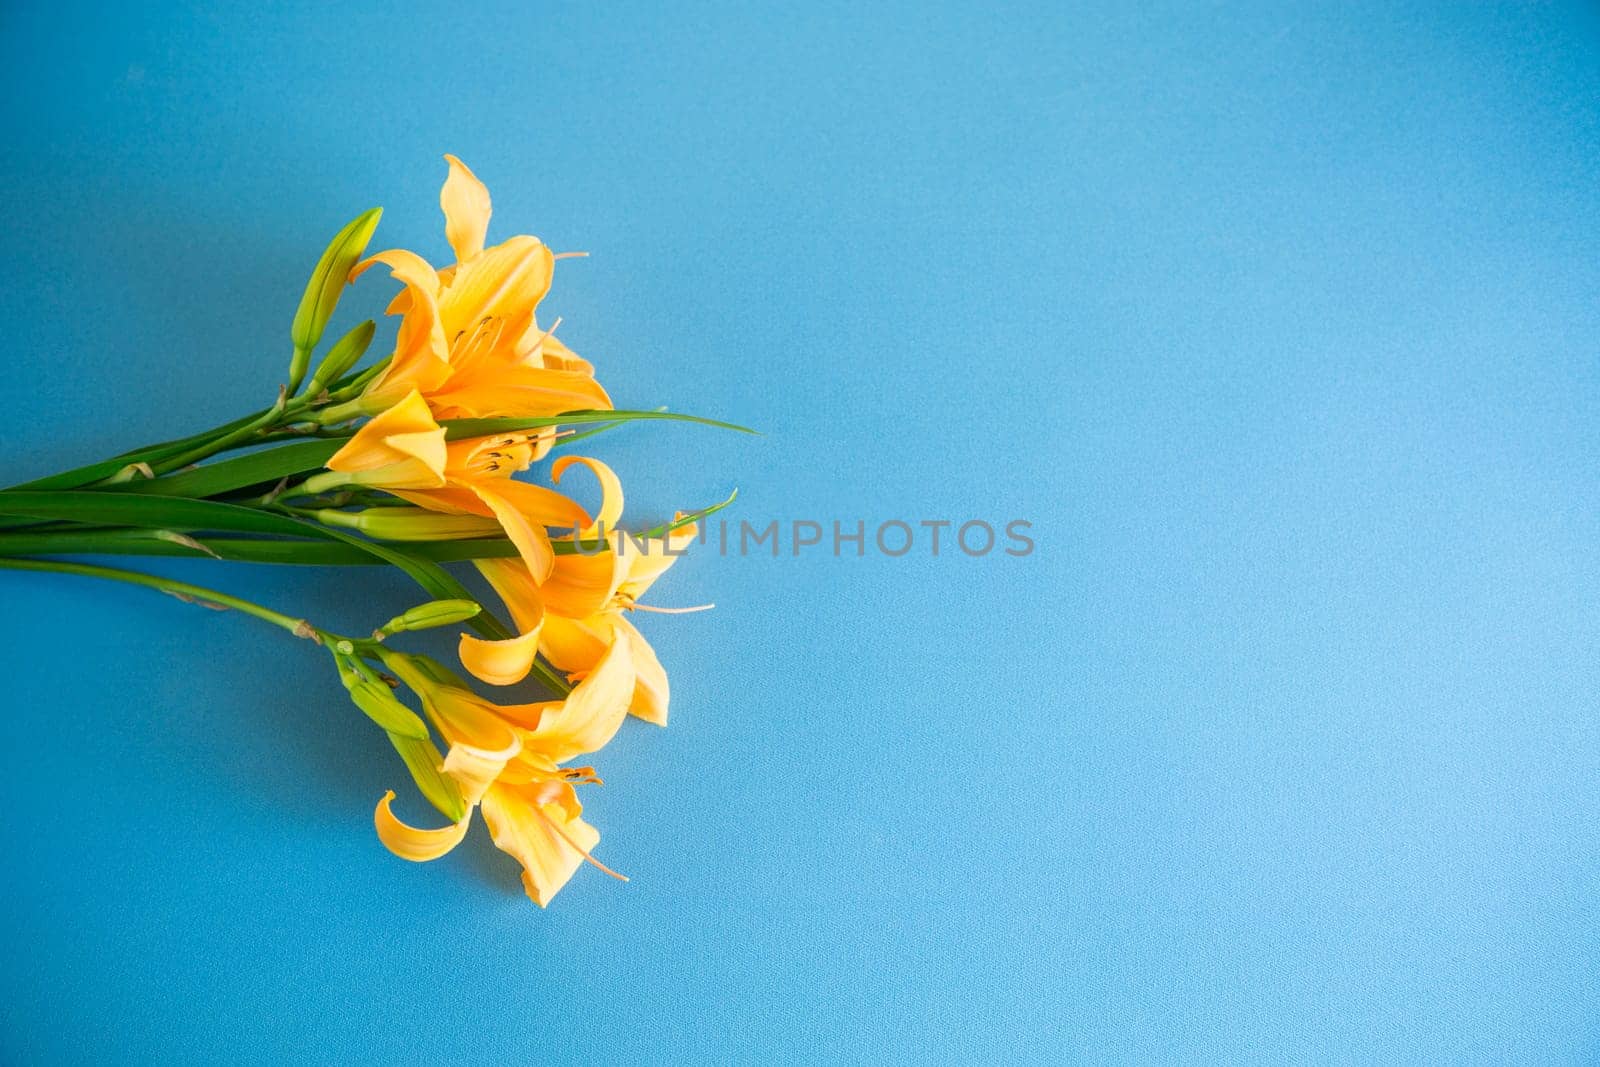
pixel 238 473
pixel 94 472
pixel 459 428
pixel 347 550
pixel 156 513
pixel 434 579
pixel 147 543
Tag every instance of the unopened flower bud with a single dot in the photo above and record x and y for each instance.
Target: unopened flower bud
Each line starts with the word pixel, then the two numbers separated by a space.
pixel 433 613
pixel 328 280
pixel 423 760
pixel 345 353
pixel 381 706
pixel 406 524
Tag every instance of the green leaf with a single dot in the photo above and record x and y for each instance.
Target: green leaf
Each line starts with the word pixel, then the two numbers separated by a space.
pixel 226 475
pixel 83 541
pixel 178 444
pixel 421 557
pixel 458 428
pixel 94 472
pixel 155 453
pixel 166 513
pixel 462 551
pixel 151 543
pixel 434 579
pixel 692 517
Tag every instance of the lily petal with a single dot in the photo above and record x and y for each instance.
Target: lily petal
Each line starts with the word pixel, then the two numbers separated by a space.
pixel 548 839
pixel 465 201
pixel 481 742
pixel 466 719
pixel 517 588
pixel 446 501
pixel 503 662
pixel 411 843
pixel 402 299
pixel 475 769
pixel 581 584
pixel 576 645
pixel 506 280
pixel 532 542
pixel 558 356
pixel 541 505
pixel 401 447
pixel 520 392
pixel 508 661
pixel 650 559
pixel 421 350
pixel 591 714
pixel 610 492
pixel 651 690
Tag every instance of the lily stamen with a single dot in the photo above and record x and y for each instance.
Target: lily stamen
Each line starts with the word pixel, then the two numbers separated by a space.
pixel 580 850
pixel 548 333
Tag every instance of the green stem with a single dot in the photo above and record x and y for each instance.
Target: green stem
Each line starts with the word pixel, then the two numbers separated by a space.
pixel 299 363
pixel 345 388
pixel 298 627
pixel 226 441
pixel 355 384
pixel 168 447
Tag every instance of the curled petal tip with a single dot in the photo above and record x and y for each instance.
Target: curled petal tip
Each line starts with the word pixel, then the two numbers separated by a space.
pixel 410 843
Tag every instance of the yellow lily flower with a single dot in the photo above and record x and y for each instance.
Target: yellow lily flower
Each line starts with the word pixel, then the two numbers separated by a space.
pixel 506 760
pixel 576 613
pixel 404 452
pixel 469 337
pixel 576 644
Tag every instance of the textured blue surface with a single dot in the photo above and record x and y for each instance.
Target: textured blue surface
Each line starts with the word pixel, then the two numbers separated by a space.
pixel 1280 326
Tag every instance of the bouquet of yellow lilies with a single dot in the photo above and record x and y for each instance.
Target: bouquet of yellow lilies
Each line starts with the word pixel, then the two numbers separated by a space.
pixel 410 463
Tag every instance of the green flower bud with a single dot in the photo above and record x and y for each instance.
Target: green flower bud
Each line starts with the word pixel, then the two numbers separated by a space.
pixel 400 523
pixel 328 280
pixel 423 761
pixel 381 706
pixel 433 613
pixel 345 353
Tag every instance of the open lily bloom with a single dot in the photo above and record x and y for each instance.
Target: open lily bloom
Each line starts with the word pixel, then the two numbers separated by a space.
pixel 403 451
pixel 576 613
pixel 507 759
pixel 576 644
pixel 469 338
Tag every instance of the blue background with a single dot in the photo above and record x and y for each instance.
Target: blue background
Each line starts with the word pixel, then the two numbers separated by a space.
pixel 1278 322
